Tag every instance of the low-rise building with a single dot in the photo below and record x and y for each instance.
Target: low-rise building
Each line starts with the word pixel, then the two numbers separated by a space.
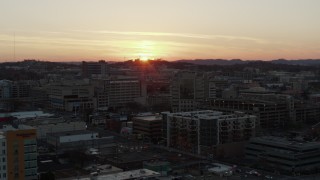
pixel 282 154
pixel 80 140
pixel 45 125
pixel 57 139
pixel 161 167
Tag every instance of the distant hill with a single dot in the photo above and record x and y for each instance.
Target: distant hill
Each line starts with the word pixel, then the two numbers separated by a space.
pixel 223 62
pixel 303 62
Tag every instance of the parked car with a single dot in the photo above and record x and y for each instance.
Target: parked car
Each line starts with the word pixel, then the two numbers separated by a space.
pixel 253 172
pixel 268 177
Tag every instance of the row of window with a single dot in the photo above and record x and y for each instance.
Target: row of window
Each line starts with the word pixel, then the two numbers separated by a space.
pixel 30 164
pixel 4 175
pixel 30 142
pixel 30 156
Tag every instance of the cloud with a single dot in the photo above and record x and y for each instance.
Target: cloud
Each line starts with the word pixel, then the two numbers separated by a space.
pixel 183 35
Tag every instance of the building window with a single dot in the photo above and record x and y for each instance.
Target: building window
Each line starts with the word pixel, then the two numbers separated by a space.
pixel 4 175
pixel 3 151
pixel 3 159
pixel 3 143
pixel 4 167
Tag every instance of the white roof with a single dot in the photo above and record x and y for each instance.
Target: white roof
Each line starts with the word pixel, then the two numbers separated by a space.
pixel 219 168
pixel 30 114
pixel 139 173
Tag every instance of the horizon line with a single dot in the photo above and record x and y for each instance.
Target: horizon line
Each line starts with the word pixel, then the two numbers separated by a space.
pixel 197 59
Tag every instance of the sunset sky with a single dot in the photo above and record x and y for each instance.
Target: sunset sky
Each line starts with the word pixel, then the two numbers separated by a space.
pixel 75 30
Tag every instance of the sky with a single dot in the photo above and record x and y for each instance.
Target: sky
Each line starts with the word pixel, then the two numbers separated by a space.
pixel 117 30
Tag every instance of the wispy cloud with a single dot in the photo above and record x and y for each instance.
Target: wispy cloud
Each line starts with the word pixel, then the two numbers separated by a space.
pixel 183 35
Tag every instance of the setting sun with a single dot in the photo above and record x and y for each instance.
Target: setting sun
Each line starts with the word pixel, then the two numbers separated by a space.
pixel 145 58
pixel 146 50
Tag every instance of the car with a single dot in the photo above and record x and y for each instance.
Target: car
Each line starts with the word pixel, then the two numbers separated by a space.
pixel 268 177
pixel 256 173
pixel 253 172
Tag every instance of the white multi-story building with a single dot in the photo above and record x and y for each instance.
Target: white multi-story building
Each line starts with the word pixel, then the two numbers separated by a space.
pixel 198 130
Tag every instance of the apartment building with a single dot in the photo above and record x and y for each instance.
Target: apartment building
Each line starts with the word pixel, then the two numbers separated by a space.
pixel 201 132
pixel 21 153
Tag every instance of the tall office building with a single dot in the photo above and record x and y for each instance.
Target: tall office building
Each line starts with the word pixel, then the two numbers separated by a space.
pixel 187 91
pixel 72 97
pixel 19 157
pixel 119 91
pixel 5 94
pixel 94 68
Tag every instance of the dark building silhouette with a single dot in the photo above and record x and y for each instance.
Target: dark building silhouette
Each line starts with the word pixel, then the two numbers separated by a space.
pixel 94 68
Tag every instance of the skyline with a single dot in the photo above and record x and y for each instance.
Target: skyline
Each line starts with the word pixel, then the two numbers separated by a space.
pixel 78 30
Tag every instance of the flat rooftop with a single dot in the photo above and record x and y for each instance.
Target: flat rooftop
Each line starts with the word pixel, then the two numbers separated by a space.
pixel 139 173
pixel 219 168
pixel 130 157
pixel 149 118
pixel 11 128
pixel 209 115
pixel 26 114
pixel 283 141
pixel 71 133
